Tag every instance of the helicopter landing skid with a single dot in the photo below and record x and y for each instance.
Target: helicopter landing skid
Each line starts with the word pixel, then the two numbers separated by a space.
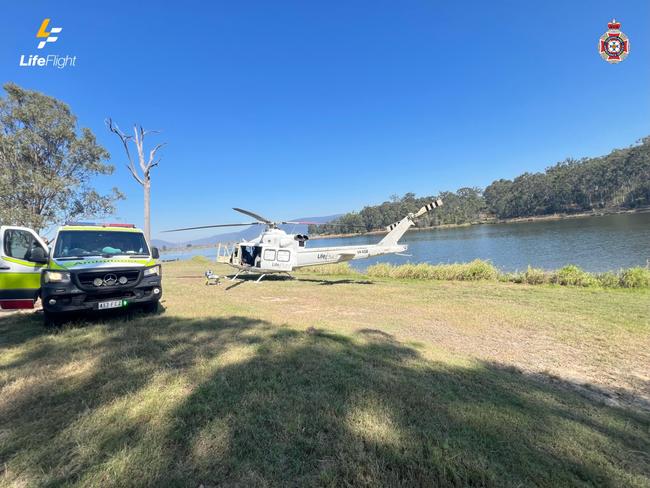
pixel 246 271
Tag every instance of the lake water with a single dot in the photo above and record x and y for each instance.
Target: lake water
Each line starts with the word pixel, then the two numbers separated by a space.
pixel 603 243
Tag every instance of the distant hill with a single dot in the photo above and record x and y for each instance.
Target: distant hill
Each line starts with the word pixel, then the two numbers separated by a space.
pixel 619 180
pixel 160 243
pixel 246 233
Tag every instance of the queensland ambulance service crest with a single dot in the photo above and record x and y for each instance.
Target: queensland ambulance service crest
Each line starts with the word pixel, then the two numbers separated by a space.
pixel 614 45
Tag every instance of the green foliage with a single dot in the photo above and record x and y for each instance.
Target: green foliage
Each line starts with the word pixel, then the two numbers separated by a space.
pixel 46 166
pixel 619 180
pixel 573 276
pixel 608 280
pixel 466 205
pixel 380 270
pixel 337 269
pixel 535 276
pixel 635 278
pixel 478 269
pixel 201 260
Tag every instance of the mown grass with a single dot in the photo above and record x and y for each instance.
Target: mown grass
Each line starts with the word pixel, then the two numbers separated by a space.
pixel 478 269
pixel 325 381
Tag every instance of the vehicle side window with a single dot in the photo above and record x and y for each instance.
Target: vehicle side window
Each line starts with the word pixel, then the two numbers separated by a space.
pixel 269 255
pixel 283 256
pixel 19 244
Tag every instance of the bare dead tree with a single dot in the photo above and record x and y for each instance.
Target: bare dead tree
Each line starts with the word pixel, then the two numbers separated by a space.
pixel 143 176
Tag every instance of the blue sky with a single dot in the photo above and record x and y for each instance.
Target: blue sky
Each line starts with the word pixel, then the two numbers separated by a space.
pixel 314 108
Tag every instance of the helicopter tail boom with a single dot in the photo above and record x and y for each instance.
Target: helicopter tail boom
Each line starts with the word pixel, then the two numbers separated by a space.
pixel 398 229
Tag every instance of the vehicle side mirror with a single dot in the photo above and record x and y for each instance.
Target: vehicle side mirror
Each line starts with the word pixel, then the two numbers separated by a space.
pixel 38 256
pixel 155 253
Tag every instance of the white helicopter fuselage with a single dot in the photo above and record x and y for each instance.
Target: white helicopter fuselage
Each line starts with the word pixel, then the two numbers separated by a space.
pixel 275 251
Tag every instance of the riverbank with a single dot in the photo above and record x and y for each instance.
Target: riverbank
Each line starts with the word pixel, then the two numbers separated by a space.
pixel 536 218
pixel 333 381
pixel 480 270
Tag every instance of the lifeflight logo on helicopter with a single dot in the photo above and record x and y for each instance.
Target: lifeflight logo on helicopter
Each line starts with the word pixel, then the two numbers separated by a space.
pixel 613 45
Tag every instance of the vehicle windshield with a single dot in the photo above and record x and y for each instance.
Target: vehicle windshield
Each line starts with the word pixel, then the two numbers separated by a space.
pixel 81 243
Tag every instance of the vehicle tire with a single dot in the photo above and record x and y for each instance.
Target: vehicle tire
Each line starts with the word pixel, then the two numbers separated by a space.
pixel 151 307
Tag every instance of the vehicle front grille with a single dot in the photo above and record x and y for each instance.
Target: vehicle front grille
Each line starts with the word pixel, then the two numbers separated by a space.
pixel 86 280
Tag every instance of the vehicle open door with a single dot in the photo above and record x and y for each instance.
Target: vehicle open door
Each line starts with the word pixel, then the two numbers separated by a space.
pixel 23 254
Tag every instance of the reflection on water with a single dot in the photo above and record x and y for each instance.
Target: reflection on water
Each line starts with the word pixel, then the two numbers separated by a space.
pixel 602 243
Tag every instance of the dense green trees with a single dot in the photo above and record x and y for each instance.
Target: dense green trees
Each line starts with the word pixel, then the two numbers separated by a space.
pixel 466 205
pixel 619 180
pixel 46 164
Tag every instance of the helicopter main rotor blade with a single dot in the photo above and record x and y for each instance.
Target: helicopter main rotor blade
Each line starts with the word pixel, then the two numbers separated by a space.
pixel 254 215
pixel 299 222
pixel 210 226
pixel 322 223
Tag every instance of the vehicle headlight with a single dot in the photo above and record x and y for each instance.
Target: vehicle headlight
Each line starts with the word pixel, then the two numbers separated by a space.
pixel 154 270
pixel 56 277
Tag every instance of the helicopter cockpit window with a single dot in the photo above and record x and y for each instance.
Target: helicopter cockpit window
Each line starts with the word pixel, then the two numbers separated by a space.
pixel 283 256
pixel 269 255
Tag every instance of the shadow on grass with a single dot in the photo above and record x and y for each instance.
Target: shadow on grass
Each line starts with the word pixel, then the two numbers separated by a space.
pixel 344 281
pixel 171 401
pixel 287 277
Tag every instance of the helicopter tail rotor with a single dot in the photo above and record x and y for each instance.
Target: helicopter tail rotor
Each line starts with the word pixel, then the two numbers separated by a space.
pixel 397 230
pixel 428 207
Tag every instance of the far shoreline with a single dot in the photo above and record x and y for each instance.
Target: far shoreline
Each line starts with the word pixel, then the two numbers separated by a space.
pixel 514 220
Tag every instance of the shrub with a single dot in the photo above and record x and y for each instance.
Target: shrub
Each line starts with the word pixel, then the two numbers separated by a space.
pixel 332 269
pixel 572 275
pixel 413 271
pixel 535 276
pixel 635 278
pixel 201 260
pixel 478 270
pixel 380 270
pixel 608 280
pixel 511 277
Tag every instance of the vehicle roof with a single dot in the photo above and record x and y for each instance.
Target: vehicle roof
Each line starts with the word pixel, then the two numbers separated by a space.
pixel 104 228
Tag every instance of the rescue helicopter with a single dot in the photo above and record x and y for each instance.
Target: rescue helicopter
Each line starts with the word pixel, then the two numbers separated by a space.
pixel 275 251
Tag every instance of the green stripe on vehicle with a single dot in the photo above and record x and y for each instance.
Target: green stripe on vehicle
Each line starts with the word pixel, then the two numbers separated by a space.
pixel 23 262
pixel 13 281
pixel 70 265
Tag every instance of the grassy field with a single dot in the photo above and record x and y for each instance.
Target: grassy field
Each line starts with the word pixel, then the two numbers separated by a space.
pixel 334 381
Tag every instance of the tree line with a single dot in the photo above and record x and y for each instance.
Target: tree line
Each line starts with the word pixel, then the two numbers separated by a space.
pixel 48 165
pixel 619 180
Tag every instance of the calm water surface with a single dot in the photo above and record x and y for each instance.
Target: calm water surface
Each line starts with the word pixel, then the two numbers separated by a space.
pixel 602 243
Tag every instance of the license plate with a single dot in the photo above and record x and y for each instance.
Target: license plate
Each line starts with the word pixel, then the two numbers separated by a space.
pixel 111 304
